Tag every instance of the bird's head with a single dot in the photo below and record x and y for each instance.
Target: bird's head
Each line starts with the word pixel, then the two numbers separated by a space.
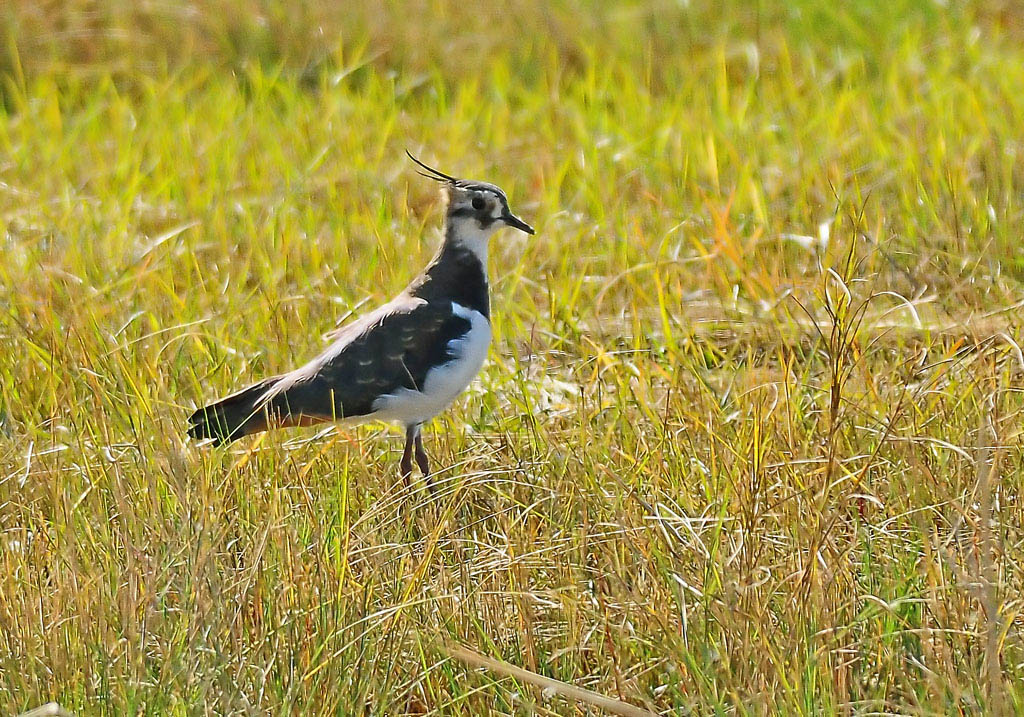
pixel 475 209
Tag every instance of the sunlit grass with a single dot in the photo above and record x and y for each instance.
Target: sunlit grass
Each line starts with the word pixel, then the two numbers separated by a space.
pixel 749 435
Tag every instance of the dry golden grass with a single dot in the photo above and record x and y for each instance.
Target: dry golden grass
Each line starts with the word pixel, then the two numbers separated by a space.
pixel 749 436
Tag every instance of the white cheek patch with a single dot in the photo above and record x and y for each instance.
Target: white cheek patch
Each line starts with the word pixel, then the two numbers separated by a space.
pixel 475 238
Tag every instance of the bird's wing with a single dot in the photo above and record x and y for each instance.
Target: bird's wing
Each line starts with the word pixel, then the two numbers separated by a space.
pixel 390 348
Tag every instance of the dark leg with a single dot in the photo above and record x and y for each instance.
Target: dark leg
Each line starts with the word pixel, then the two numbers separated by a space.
pixel 421 455
pixel 406 464
pixel 422 461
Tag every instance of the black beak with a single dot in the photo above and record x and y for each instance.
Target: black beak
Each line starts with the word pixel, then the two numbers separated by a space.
pixel 516 223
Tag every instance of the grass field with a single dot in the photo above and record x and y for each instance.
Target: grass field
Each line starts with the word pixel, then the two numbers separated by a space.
pixel 749 436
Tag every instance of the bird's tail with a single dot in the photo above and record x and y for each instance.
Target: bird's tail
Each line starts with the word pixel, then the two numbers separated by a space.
pixel 237 415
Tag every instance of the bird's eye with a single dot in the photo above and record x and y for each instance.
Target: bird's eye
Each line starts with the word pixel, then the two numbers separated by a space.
pixel 479 203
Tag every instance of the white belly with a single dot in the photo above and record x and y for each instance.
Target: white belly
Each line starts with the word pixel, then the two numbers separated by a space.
pixel 442 383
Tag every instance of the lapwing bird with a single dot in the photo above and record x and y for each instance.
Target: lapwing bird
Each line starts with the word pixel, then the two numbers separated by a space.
pixel 404 362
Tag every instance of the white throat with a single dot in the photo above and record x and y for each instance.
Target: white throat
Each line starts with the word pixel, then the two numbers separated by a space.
pixel 467 233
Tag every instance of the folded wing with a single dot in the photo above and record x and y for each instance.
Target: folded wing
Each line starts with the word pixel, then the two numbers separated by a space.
pixel 387 350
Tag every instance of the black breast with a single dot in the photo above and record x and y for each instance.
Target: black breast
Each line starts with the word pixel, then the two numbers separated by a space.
pixel 456 274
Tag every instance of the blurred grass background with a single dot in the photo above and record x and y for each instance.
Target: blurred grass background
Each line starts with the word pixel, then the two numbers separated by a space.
pixel 749 436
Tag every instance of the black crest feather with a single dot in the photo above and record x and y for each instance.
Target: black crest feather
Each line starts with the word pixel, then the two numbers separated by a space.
pixel 435 174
